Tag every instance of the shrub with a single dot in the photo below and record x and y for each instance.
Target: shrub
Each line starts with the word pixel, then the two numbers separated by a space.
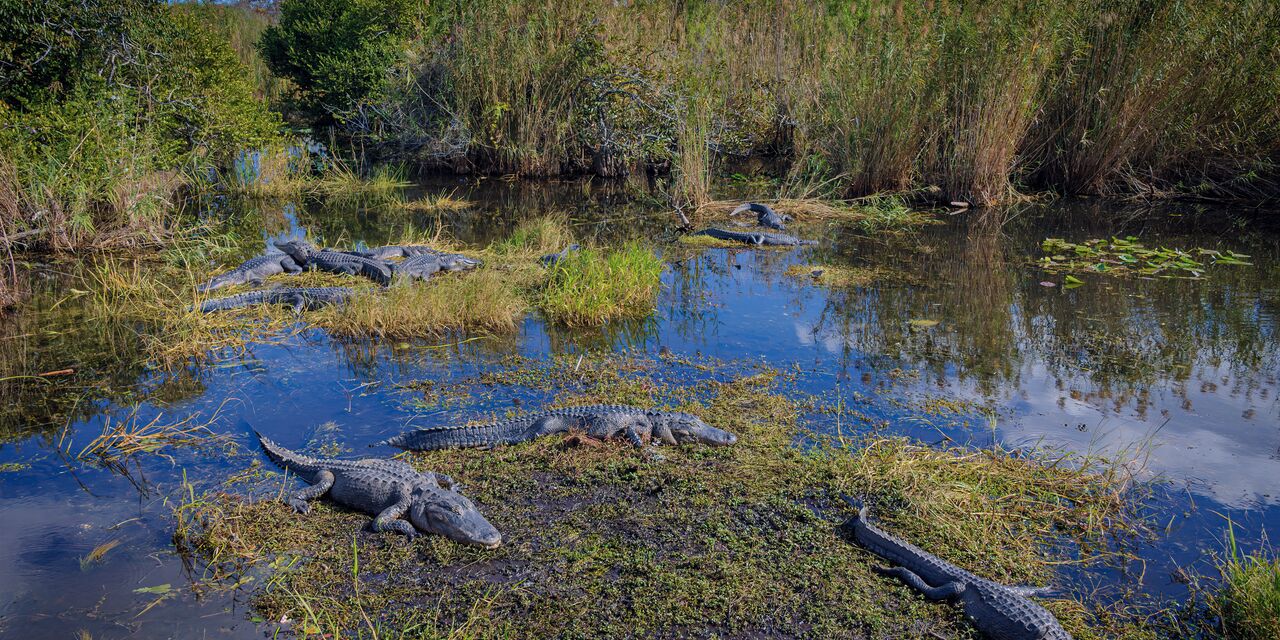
pixel 337 52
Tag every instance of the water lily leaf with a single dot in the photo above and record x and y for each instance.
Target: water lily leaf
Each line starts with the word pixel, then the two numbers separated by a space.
pixel 924 324
pixel 1072 282
pixel 159 590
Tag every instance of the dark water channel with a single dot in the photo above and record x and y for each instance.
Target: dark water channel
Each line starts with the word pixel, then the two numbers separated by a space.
pixel 1177 377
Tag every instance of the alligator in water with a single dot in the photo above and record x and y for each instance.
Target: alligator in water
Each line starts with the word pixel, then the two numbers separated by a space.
pixel 391 490
pixel 1000 612
pixel 758 238
pixel 551 259
pixel 598 421
pixel 395 251
pixel 423 266
pixel 765 215
pixel 253 271
pixel 300 298
pixel 308 256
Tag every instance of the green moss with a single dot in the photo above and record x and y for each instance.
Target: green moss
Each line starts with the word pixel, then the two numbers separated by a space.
pixel 710 542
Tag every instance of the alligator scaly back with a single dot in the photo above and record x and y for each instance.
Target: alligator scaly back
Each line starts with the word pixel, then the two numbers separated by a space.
pixel 521 429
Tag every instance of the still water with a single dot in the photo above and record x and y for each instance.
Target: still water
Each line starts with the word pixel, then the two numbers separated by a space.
pixel 957 341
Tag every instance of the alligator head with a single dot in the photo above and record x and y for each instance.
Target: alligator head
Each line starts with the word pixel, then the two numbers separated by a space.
pixel 689 428
pixel 300 250
pixel 458 262
pixel 453 516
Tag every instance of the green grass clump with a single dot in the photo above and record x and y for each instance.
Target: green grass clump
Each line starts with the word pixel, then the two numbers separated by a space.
pixel 592 286
pixel 484 300
pixel 606 541
pixel 1249 601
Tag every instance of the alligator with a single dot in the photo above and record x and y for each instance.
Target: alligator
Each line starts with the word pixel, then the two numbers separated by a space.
pixel 424 265
pixel 395 251
pixel 391 490
pixel 758 238
pixel 765 215
pixel 999 611
pixel 300 298
pixel 551 259
pixel 253 271
pixel 308 256
pixel 598 421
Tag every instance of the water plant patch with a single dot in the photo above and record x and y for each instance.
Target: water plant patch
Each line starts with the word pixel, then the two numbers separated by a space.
pixel 1127 256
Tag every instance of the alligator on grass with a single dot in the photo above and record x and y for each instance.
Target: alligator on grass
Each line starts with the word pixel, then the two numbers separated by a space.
pixel 999 611
pixel 758 238
pixel 299 298
pixel 765 215
pixel 551 259
pixel 391 490
pixel 309 257
pixel 395 251
pixel 253 271
pixel 423 266
pixel 597 421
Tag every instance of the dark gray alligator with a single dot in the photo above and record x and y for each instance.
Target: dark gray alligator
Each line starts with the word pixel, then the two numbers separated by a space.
pixel 598 421
pixel 551 259
pixel 308 256
pixel 999 611
pixel 765 215
pixel 253 271
pixel 423 266
pixel 391 490
pixel 396 251
pixel 758 238
pixel 300 298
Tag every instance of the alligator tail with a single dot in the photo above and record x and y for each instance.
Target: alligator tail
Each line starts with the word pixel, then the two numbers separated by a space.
pixel 232 302
pixel 857 504
pixel 286 459
pixel 451 437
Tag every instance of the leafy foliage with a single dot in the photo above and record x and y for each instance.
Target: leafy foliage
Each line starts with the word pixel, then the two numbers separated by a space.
pixel 1128 256
pixel 337 52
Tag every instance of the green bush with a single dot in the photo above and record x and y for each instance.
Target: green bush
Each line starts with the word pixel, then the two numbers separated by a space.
pixel 337 52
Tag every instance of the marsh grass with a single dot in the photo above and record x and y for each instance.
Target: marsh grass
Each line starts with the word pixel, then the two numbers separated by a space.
pixel 344 177
pixel 840 276
pixel 96 555
pixel 743 535
pixel 592 286
pixel 270 172
pixel 485 300
pixel 129 436
pixel 870 213
pixel 439 202
pixel 1248 602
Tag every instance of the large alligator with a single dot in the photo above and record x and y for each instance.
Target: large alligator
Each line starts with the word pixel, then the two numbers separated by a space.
pixel 598 421
pixel 300 298
pixel 308 256
pixel 253 271
pixel 758 238
pixel 391 490
pixel 765 215
pixel 396 251
pixel 423 266
pixel 999 611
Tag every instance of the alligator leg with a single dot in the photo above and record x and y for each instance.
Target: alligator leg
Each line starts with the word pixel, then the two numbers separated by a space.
pixel 289 265
pixel 634 437
pixel 445 481
pixel 324 482
pixel 296 303
pixel 947 591
pixel 662 433
pixel 389 518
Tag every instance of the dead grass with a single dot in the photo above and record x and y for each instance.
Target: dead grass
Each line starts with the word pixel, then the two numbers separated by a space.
pixel 839 276
pixel 439 202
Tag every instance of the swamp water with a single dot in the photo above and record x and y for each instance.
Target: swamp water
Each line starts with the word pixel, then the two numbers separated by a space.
pixel 947 335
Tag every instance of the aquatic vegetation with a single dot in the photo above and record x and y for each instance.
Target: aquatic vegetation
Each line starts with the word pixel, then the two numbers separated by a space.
pixel 439 202
pixel 873 213
pixel 742 535
pixel 840 276
pixel 99 552
pixel 594 286
pixel 1248 603
pixel 1127 256
pixel 343 178
pixel 485 300
pixel 129 436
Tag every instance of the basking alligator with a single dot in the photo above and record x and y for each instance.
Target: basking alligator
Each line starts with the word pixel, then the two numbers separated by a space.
pixel 765 215
pixel 395 251
pixel 551 259
pixel 1000 612
pixel 253 271
pixel 390 489
pixel 308 256
pixel 423 266
pixel 300 298
pixel 598 421
pixel 758 238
